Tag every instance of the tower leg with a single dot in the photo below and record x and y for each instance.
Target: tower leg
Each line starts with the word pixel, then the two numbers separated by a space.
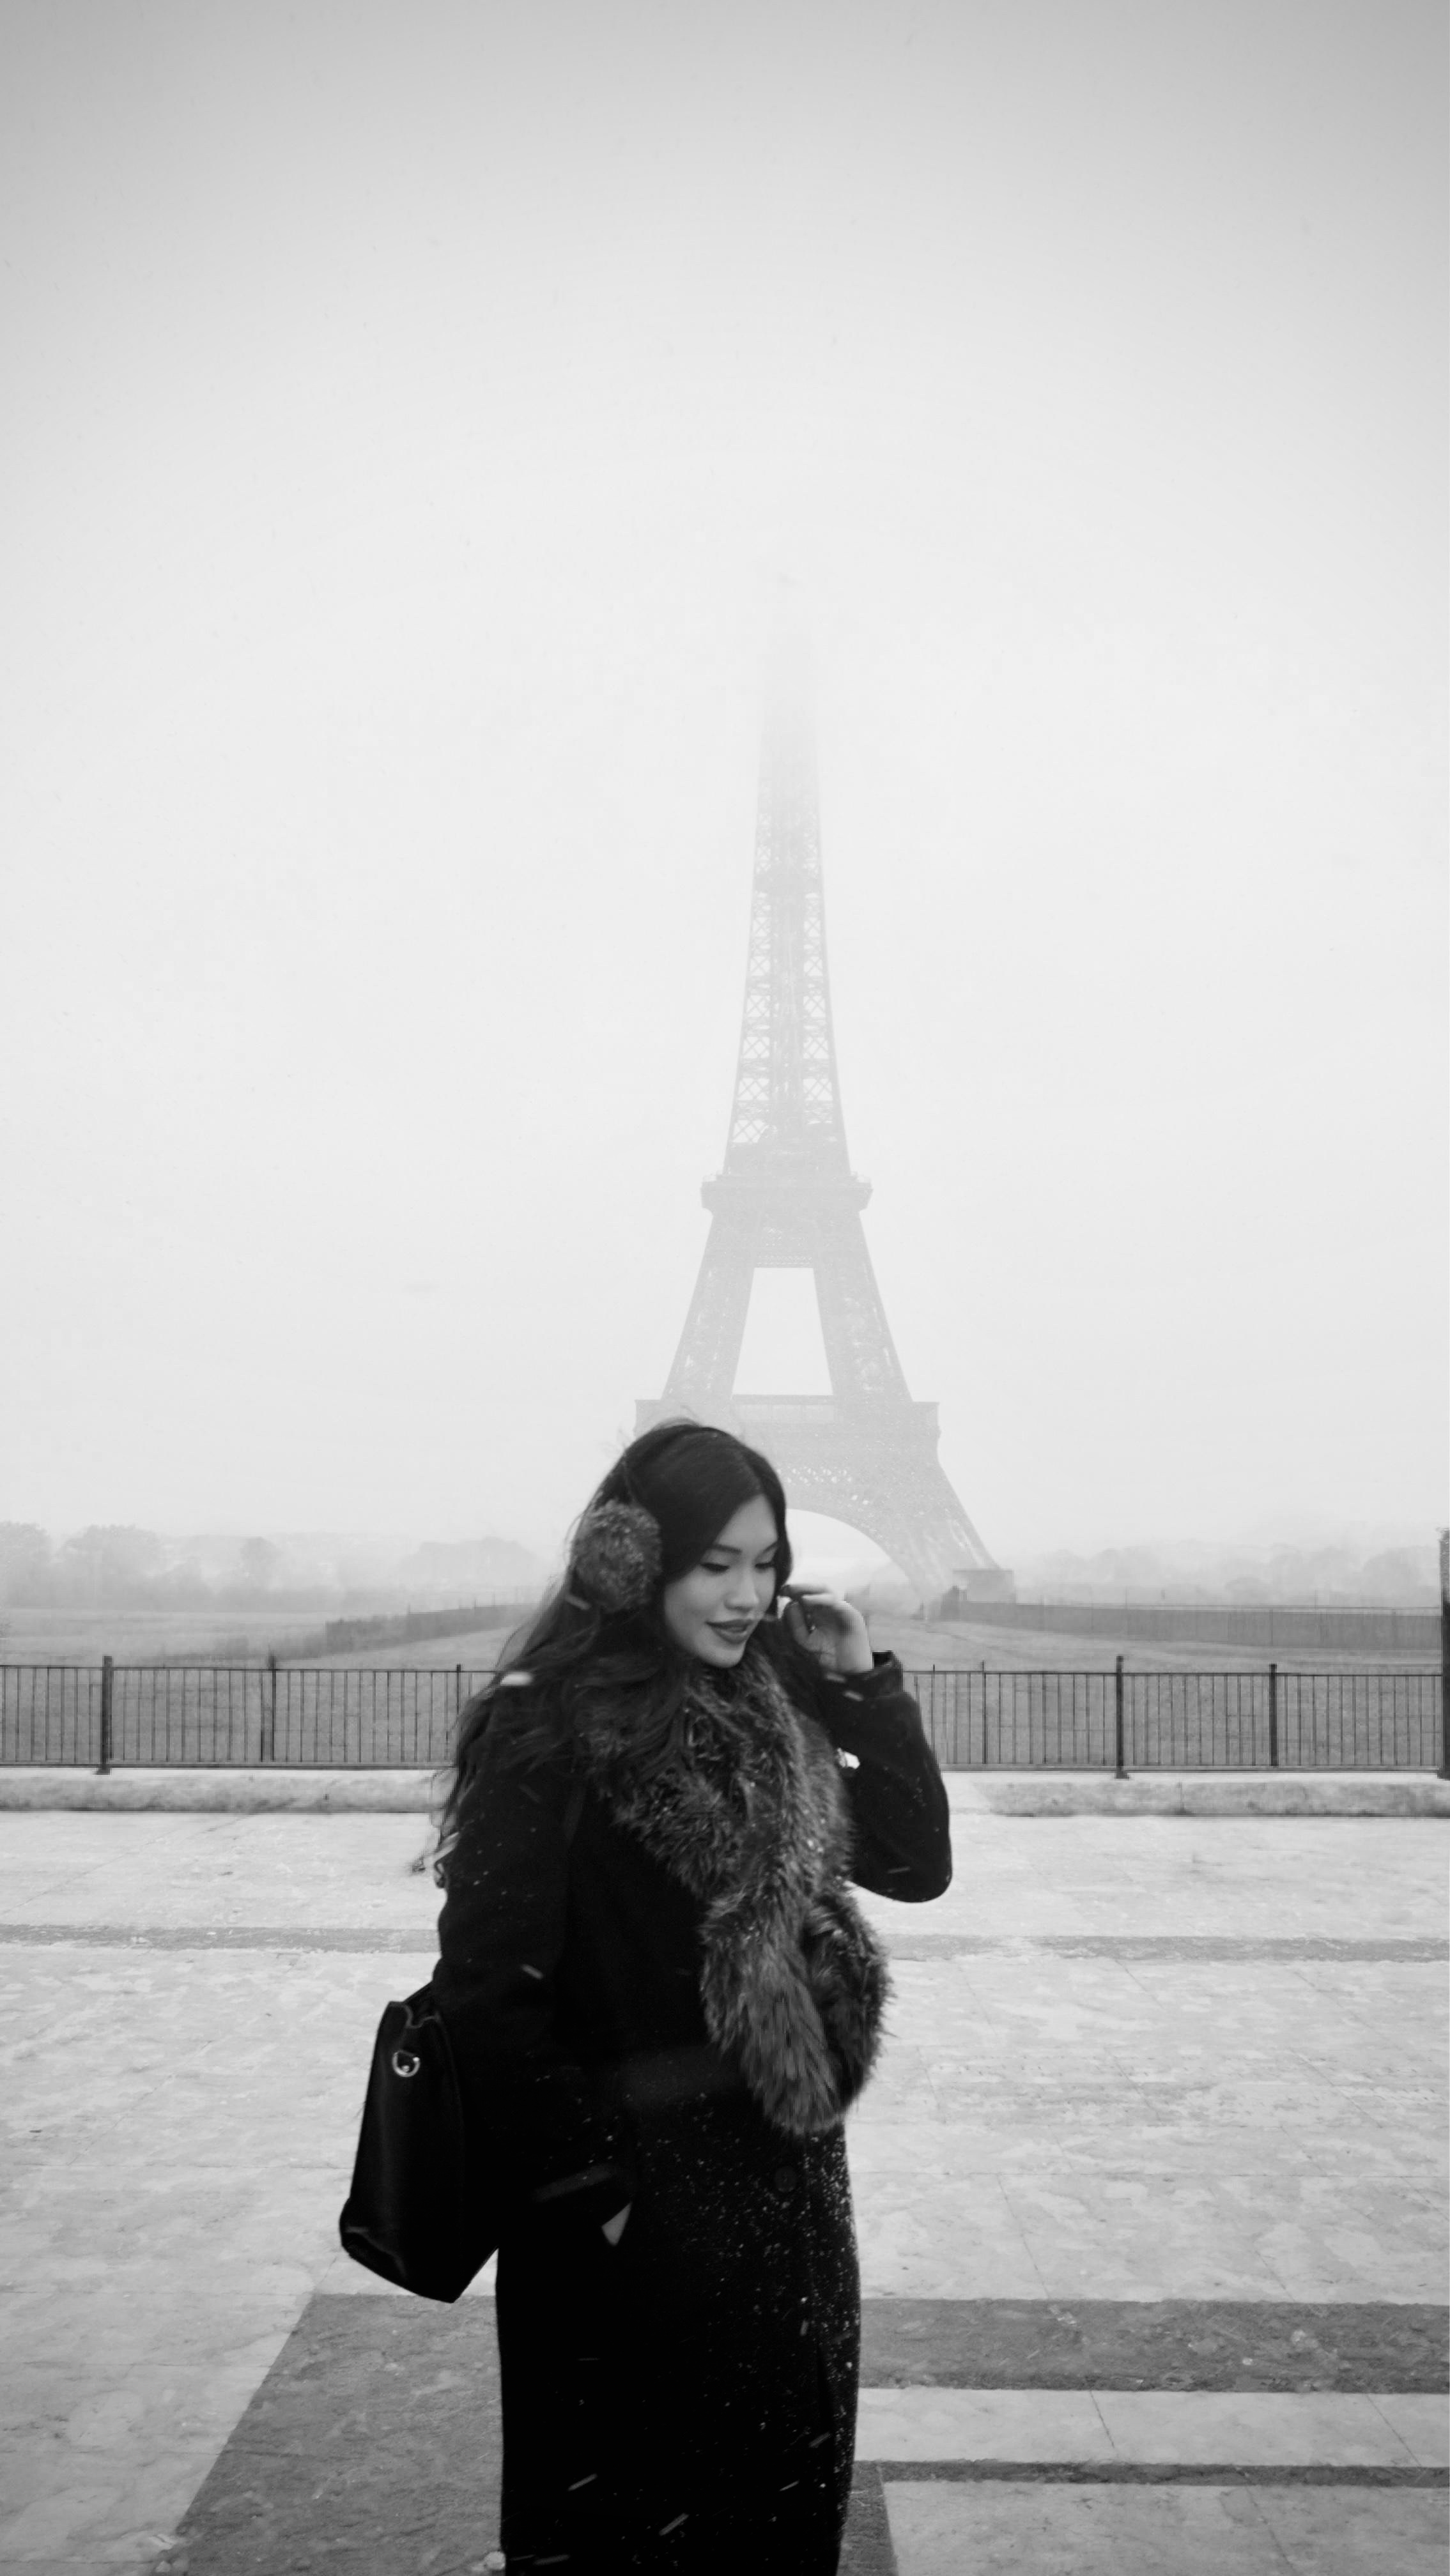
pixel 860 1353
pixel 709 1352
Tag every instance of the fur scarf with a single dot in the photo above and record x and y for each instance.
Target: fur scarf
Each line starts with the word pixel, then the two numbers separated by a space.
pixel 750 1815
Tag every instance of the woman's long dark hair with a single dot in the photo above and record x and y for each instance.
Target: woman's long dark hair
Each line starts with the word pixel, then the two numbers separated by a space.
pixel 692 1480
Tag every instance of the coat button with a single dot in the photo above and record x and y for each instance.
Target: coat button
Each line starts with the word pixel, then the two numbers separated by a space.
pixel 786 2179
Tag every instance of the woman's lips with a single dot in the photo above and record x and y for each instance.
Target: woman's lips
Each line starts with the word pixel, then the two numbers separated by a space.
pixel 739 1628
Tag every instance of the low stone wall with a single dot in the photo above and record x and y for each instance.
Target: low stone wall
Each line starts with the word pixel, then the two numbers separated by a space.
pixel 224 1792
pixel 1199 1793
pixel 1002 1793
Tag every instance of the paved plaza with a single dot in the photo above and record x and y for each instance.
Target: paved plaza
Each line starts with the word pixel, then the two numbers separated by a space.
pixel 1150 2192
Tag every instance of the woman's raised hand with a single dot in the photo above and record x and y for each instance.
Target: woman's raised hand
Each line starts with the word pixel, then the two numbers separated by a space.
pixel 830 1628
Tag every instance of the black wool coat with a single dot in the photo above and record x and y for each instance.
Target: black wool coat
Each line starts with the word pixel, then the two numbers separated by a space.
pixel 685 2398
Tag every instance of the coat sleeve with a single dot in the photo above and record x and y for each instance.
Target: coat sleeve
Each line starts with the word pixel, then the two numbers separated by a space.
pixel 529 2101
pixel 898 1799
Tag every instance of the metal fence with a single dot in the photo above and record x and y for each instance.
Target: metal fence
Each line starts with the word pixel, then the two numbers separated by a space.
pixel 206 1715
pixel 1178 1721
pixel 211 1715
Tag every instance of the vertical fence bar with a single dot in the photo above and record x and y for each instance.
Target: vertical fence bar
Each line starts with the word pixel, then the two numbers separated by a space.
pixel 1273 1717
pixel 1444 1766
pixel 1120 1766
pixel 108 1688
pixel 269 1712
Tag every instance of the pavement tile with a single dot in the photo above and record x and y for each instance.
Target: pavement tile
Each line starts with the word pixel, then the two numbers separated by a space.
pixel 1356 2531
pixel 1351 2262
pixel 980 2424
pixel 1140 2237
pixel 997 2528
pixel 1172 2151
pixel 927 2149
pixel 59 2513
pixel 921 2238
pixel 1422 2424
pixel 1253 2428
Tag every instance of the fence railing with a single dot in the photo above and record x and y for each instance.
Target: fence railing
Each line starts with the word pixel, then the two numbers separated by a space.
pixel 1182 1721
pixel 207 1715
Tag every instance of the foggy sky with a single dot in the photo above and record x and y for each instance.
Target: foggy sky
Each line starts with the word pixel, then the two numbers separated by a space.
pixel 410 419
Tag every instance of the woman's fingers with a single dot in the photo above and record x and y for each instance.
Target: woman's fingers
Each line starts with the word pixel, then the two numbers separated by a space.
pixel 815 1601
pixel 614 2227
pixel 831 1628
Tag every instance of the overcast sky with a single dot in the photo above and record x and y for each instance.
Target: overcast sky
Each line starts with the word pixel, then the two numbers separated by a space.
pixel 410 417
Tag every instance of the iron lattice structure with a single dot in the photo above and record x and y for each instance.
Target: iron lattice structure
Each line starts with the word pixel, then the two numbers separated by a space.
pixel 787 1199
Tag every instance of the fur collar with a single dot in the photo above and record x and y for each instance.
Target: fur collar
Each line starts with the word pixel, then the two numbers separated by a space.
pixel 751 1816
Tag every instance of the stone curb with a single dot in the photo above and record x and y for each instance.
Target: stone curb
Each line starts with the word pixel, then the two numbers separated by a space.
pixel 1201 1793
pixel 1002 1793
pixel 224 1792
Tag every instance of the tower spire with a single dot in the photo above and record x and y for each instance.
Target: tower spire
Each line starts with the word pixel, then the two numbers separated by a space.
pixel 787 1110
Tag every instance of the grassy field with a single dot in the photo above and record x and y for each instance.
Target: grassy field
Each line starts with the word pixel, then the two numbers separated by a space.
pixel 960 1647
pixel 234 1636
pixel 150 1636
pixel 476 1652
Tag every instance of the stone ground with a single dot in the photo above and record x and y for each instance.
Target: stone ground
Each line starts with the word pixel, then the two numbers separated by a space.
pixel 1150 2193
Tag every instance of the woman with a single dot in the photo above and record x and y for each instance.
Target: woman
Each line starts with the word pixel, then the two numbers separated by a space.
pixel 662 2000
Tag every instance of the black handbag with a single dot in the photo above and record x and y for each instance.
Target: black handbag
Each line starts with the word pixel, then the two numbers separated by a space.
pixel 418 2214
pixel 422 2211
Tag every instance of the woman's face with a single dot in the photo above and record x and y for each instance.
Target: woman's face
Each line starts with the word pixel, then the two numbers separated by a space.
pixel 712 1610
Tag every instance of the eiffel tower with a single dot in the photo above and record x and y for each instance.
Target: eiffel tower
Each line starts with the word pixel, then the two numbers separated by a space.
pixel 787 1199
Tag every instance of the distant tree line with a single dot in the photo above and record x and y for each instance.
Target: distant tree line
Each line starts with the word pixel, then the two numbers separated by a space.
pixel 113 1566
pixel 1248 1579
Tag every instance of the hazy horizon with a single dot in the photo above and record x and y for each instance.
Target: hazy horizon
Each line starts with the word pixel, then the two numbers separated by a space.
pixel 1316 1554
pixel 412 421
